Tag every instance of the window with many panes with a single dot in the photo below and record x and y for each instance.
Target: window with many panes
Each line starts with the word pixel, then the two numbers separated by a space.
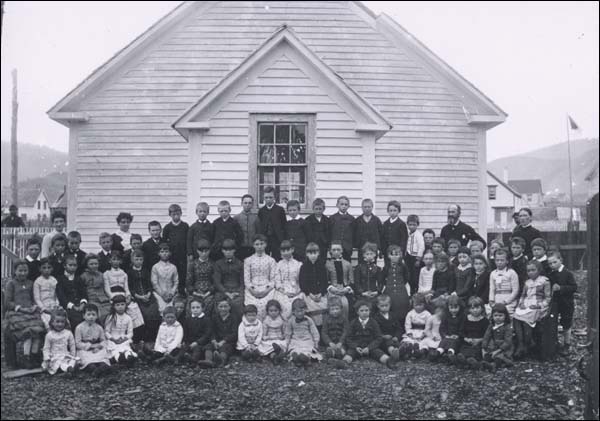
pixel 282 160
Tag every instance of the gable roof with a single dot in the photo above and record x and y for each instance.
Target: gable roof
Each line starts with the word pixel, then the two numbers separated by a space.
pixel 29 197
pixel 479 109
pixel 527 186
pixel 196 117
pixel 503 184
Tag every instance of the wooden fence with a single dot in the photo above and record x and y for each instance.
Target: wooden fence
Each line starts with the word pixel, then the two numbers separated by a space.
pixel 14 245
pixel 571 244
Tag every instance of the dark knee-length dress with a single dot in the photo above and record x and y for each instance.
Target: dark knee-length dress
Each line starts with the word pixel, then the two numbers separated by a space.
pixel 395 279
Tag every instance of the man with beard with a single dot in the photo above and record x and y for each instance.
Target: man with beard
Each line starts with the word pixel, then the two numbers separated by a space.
pixel 456 229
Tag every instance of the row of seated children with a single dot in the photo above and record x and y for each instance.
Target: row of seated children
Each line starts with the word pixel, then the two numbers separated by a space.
pixel 531 293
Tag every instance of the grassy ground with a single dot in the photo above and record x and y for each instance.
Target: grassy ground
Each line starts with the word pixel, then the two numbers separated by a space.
pixel 417 390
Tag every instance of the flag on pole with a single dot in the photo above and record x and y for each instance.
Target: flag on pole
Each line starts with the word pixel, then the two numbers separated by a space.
pixel 574 125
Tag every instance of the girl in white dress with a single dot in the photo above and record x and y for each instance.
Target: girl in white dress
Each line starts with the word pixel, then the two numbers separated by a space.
pixel 59 346
pixel 118 329
pixel 260 277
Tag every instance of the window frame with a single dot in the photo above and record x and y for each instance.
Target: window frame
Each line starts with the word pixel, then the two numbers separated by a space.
pixel 492 191
pixel 310 121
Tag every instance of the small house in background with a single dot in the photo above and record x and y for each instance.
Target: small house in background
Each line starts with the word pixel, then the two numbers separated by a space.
pixel 316 99
pixel 592 180
pixel 530 190
pixel 502 202
pixel 34 206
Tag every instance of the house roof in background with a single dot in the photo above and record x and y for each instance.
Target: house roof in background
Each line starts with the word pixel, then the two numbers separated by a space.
pixel 527 186
pixel 28 197
pixel 502 183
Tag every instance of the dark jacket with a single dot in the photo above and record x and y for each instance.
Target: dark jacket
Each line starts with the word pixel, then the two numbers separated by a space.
pixel 70 291
pixel 394 233
pixel 199 230
pixel 369 336
pixel 272 224
pixel 297 231
pixel 367 277
pixel 197 329
pixel 342 230
pixel 461 232
pixel 150 249
pixel 367 231
pixel 224 230
pixel 313 278
pixel 176 237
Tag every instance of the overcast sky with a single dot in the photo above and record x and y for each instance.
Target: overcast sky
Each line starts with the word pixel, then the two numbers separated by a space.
pixel 537 61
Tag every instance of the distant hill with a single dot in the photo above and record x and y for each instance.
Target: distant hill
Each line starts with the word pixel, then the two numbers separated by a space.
pixel 550 164
pixel 53 184
pixel 35 161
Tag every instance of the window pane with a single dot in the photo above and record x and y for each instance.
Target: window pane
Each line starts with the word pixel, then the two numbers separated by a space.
pixel 266 155
pixel 266 175
pixel 298 154
pixel 297 193
pixel 282 133
pixel 299 133
pixel 297 175
pixel 282 193
pixel 266 133
pixel 283 154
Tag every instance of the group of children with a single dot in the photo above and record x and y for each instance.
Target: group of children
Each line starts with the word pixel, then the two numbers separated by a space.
pixel 262 286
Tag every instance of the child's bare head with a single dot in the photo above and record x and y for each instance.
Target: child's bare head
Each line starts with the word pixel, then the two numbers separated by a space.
pixel 155 229
pixel 224 209
pixel 367 206
pixel 105 241
pixel 318 207
pixel 202 210
pixel 343 203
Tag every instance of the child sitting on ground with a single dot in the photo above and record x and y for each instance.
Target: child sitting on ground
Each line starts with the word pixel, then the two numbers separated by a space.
pixel 334 332
pixel 119 332
pixel 431 342
pixel 302 336
pixel 168 341
pixel 272 343
pixel 451 328
pixel 414 327
pixel 474 328
pixel 224 331
pixel 250 334
pixel 59 346
pixel 364 338
pixel 497 345
pixel 197 331
pixel 90 342
pixel 391 327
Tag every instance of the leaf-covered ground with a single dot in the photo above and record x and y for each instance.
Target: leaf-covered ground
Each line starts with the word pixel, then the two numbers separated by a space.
pixel 417 390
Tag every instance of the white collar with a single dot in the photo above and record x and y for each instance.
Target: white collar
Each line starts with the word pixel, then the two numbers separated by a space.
pixel 363 322
pixel 270 207
pixel 518 257
pixel 318 218
pixel 560 269
pixel 104 252
pixel 468 266
pixel 70 276
pixel 456 223
pixel 31 259
pixel 385 316
pixel 393 220
pixel 297 218
pixel 225 220
pixel 525 226
pixel 202 222
pixel 343 213
pixel 121 233
pixel 365 217
pixel 175 224
pixel 543 259
pixel 199 316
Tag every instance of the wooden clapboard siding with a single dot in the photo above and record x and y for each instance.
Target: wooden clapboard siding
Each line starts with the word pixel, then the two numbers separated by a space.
pixel 128 140
pixel 227 140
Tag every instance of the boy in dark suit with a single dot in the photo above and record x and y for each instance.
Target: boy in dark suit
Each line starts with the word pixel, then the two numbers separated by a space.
pixel 225 227
pixel 272 221
pixel 319 228
pixel 175 234
pixel 150 248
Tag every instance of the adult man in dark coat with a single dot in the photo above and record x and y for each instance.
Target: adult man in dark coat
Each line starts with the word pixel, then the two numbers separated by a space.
pixel 456 229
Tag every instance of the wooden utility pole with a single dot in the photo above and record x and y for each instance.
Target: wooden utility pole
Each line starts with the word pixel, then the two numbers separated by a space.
pixel 14 157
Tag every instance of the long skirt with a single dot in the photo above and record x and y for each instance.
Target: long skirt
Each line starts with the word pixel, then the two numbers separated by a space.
pixel 266 345
pixel 316 309
pixel 59 362
pixel 133 310
pixel 305 348
pixel 114 350
pixel 87 357
pixel 23 326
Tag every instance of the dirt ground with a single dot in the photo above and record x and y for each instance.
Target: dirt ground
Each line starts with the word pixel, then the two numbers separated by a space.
pixel 416 390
